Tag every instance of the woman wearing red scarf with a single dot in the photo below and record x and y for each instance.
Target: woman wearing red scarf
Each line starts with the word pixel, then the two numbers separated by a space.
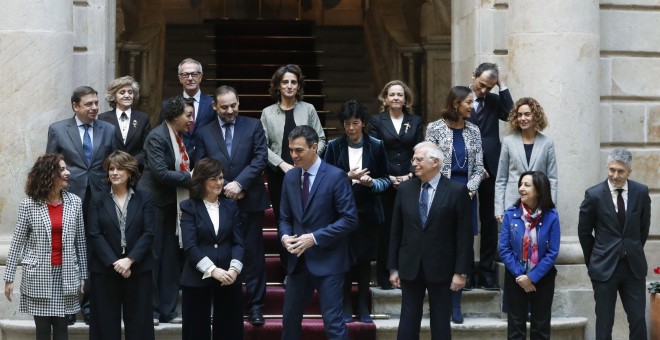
pixel 529 244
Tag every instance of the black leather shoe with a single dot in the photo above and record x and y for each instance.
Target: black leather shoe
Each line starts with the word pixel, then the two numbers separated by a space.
pixel 489 283
pixel 71 319
pixel 257 318
pixel 86 318
pixel 469 284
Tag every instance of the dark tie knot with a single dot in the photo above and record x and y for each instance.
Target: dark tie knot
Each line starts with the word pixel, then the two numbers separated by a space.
pixel 426 186
pixel 86 126
pixel 620 191
pixel 480 99
pixel 123 116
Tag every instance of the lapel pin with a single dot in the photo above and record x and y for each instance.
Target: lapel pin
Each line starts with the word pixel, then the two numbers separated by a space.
pixel 134 123
pixel 407 125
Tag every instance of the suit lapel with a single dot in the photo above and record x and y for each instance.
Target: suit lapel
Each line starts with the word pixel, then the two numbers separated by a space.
pixel 132 209
pixel 633 197
pixel 342 147
pixel 132 128
pixel 110 209
pixel 366 151
pixel 520 150
pixel 611 209
pixel 406 125
pixel 387 123
pixel 539 143
pixel 225 220
pixel 438 197
pixel 237 137
pixel 74 135
pixel 317 182
pixel 206 219
pixel 112 119
pixel 297 200
pixel 98 136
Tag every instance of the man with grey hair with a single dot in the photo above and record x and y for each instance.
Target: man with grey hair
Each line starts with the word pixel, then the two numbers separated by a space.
pixel 613 226
pixel 190 76
pixel 430 243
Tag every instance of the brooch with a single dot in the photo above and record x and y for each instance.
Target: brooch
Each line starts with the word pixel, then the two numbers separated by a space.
pixel 407 125
pixel 134 123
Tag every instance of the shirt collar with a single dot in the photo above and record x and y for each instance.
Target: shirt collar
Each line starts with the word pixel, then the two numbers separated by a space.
pixel 130 192
pixel 80 123
pixel 612 188
pixel 434 181
pixel 314 168
pixel 118 112
pixel 197 95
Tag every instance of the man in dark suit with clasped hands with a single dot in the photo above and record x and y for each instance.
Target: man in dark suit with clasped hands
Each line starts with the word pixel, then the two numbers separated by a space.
pixel 614 222
pixel 239 143
pixel 430 243
pixel 317 213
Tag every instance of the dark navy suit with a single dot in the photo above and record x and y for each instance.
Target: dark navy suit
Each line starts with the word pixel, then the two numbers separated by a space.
pixel 496 108
pixel 200 241
pixel 245 165
pixel 330 215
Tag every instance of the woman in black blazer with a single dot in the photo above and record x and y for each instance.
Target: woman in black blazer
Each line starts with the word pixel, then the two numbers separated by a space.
pixel 120 231
pixel 363 159
pixel 400 130
pixel 213 244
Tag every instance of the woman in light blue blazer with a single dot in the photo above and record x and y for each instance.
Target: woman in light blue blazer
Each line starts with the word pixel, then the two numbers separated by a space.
pixel 525 149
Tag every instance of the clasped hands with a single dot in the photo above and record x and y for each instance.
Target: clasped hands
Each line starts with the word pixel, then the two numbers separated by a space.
pixel 233 191
pixel 123 267
pixel 362 176
pixel 226 277
pixel 297 245
pixel 526 283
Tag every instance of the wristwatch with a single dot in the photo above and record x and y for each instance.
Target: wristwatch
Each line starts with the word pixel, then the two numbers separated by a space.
pixel 464 275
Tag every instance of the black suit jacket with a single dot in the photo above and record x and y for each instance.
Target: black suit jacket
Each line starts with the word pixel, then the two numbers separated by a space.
pixel 138 129
pixel 104 235
pixel 398 146
pixel 200 240
pixel 444 246
pixel 204 115
pixel 247 162
pixel 602 250
pixel 160 177
pixel 64 138
pixel 496 108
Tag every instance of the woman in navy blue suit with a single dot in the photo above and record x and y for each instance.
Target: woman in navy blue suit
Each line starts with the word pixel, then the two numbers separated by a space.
pixel 120 232
pixel 213 244
pixel 529 244
pixel 400 130
pixel 363 158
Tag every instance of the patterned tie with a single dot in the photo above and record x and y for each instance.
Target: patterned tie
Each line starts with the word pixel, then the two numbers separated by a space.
pixel 424 203
pixel 228 137
pixel 88 148
pixel 479 109
pixel 191 127
pixel 621 208
pixel 304 193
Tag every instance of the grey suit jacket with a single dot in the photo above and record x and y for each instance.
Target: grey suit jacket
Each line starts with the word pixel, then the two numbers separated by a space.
pixel 64 138
pixel 603 240
pixel 32 243
pixel 513 163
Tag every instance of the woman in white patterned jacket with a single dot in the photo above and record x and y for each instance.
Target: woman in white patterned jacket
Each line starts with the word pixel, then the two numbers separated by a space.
pixel 50 240
pixel 460 142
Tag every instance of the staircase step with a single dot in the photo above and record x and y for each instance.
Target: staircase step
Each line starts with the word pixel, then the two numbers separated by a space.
pixel 312 329
pixel 477 302
pixel 274 301
pixel 486 328
pixel 264 70
pixel 264 42
pixel 259 27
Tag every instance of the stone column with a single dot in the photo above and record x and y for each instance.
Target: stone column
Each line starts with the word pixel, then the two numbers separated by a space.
pixel 36 59
pixel 554 57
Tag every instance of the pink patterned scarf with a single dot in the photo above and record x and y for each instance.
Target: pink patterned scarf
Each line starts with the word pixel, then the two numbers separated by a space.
pixel 530 240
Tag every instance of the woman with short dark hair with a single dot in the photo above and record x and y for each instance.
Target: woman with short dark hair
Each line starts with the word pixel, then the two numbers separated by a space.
pixel 213 244
pixel 49 239
pixel 120 230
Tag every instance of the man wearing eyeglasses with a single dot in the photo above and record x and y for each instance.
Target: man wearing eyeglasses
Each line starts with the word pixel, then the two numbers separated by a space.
pixel 190 76
pixel 430 243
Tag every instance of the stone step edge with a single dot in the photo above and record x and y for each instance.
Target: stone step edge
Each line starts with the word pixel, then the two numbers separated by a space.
pixel 388 325
pixel 480 324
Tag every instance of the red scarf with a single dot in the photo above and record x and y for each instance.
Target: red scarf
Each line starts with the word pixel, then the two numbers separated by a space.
pixel 185 163
pixel 530 240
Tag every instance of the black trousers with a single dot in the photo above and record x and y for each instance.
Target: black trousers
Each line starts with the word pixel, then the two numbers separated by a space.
pixel 539 303
pixel 383 238
pixel 58 325
pixel 112 296
pixel 489 238
pixel 227 302
pixel 633 298
pixel 254 269
pixel 167 264
pixel 412 303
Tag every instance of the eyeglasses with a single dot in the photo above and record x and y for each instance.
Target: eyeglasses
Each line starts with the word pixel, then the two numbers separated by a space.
pixel 188 74
pixel 418 160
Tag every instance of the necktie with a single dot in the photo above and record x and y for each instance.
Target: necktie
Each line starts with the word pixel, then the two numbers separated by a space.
pixel 228 137
pixel 191 127
pixel 87 144
pixel 480 108
pixel 424 203
pixel 621 208
pixel 304 193
pixel 123 117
